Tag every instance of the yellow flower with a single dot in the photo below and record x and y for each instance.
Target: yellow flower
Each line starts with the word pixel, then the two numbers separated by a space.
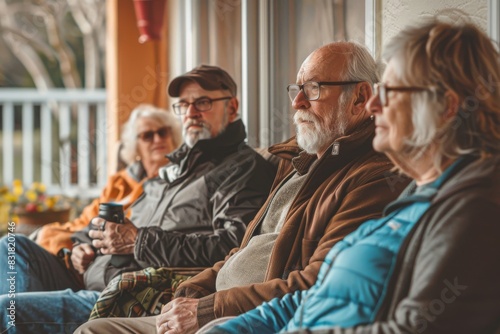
pixel 50 202
pixel 32 199
pixel 4 190
pixel 11 198
pixel 40 187
pixel 17 190
pixel 31 195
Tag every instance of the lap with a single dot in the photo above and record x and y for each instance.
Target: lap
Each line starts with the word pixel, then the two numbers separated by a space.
pixel 54 312
pixel 144 325
pixel 32 268
pixel 213 323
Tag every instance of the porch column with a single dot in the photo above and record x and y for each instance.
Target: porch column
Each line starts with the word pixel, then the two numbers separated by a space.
pixel 135 73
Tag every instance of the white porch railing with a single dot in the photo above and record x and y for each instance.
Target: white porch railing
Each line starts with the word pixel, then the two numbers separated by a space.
pixel 57 137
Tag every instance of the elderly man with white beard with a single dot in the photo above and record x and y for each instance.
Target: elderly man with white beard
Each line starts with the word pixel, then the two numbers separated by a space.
pixel 329 181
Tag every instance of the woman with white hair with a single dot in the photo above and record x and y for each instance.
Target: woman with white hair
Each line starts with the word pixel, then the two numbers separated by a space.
pixel 431 264
pixel 146 126
pixel 148 135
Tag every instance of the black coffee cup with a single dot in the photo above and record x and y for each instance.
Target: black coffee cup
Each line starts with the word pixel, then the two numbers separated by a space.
pixel 113 212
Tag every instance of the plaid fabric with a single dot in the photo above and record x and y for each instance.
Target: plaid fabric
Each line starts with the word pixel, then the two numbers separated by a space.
pixel 136 294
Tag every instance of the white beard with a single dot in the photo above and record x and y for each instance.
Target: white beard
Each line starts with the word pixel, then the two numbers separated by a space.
pixel 315 136
pixel 191 136
pixel 310 136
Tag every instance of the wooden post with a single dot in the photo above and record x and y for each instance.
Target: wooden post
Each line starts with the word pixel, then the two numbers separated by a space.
pixel 135 73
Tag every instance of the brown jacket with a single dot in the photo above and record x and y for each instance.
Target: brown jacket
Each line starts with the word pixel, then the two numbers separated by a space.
pixel 124 187
pixel 350 184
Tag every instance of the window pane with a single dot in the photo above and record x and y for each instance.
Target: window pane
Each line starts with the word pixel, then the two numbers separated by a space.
pixel 279 34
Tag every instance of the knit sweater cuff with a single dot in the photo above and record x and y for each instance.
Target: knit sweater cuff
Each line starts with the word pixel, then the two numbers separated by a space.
pixel 206 310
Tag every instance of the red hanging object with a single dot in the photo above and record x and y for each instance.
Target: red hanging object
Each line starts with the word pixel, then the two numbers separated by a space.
pixel 149 15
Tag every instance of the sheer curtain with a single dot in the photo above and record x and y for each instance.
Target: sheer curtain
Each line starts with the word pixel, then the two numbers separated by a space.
pixel 205 32
pixel 262 42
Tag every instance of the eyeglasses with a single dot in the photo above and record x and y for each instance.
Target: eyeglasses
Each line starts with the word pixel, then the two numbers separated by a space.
pixel 149 136
pixel 381 89
pixel 201 104
pixel 311 88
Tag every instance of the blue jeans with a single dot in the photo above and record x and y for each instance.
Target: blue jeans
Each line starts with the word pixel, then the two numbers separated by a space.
pixel 37 292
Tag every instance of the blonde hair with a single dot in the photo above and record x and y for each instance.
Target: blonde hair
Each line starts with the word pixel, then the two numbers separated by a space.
pixel 164 117
pixel 449 53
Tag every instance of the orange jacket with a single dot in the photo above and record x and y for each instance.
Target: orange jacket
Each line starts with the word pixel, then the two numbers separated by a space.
pixel 123 187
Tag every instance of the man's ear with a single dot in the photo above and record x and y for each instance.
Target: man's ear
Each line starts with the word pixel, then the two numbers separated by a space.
pixel 362 94
pixel 233 108
pixel 452 103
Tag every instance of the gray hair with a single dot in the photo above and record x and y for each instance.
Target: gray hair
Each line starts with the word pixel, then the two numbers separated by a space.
pixel 164 117
pixel 449 53
pixel 360 67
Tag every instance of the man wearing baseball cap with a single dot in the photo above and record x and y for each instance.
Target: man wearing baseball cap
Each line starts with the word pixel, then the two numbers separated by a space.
pixel 190 216
pixel 208 77
pixel 209 88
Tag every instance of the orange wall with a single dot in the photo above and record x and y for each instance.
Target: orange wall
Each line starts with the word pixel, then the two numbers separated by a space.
pixel 135 73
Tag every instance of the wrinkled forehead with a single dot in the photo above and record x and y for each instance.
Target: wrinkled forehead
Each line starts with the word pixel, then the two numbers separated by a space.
pixel 322 66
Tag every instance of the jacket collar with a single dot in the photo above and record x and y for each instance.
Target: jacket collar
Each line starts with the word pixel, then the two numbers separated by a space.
pixel 457 176
pixel 184 159
pixel 227 142
pixel 472 173
pixel 340 147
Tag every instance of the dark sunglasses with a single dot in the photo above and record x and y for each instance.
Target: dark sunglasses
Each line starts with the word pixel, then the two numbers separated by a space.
pixel 149 136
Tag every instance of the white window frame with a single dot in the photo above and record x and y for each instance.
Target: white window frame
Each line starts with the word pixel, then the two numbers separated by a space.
pixel 494 20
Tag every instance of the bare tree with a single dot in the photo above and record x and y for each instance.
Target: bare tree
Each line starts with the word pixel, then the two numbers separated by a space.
pixel 37 31
pixel 90 18
pixel 60 43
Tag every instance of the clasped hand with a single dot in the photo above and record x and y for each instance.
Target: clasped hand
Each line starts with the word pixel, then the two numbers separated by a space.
pixel 81 257
pixel 178 316
pixel 112 238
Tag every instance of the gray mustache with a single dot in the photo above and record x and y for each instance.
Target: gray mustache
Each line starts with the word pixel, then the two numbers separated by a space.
pixel 195 122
